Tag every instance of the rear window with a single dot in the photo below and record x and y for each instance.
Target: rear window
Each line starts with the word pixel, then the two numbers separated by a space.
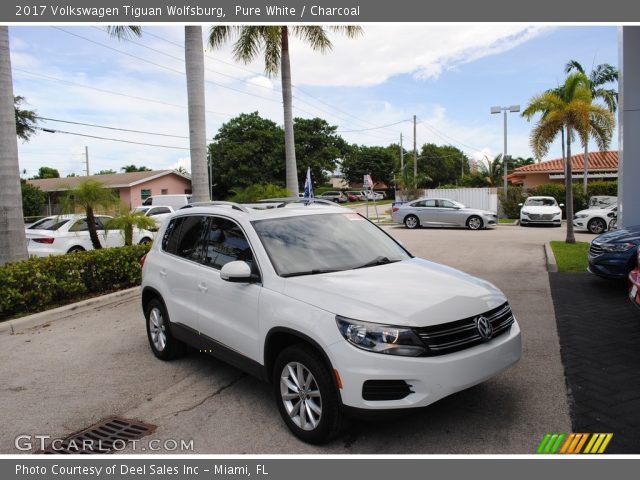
pixel 183 237
pixel 52 224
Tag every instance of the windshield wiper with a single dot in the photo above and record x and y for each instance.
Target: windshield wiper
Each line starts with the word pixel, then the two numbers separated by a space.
pixel 378 261
pixel 314 271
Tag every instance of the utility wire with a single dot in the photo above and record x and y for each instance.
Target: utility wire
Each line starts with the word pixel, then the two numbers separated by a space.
pixel 50 130
pixel 373 128
pixel 111 128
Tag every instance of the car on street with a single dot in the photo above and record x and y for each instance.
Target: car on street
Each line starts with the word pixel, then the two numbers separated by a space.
pixel 60 234
pixel 326 306
pixel 440 212
pixel 613 254
pixel 358 195
pixel 159 213
pixel 334 196
pixel 595 220
pixel 541 211
pixel 634 280
pixel 369 195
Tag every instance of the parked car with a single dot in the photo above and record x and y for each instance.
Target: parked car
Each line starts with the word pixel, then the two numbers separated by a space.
pixel 70 233
pixel 357 194
pixel 437 212
pixel 634 279
pixel 174 201
pixel 595 220
pixel 159 213
pixel 613 254
pixel 369 195
pixel 382 193
pixel 351 197
pixel 285 293
pixel 541 211
pixel 334 196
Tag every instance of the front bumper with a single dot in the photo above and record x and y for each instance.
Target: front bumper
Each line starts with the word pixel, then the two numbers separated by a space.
pixel 614 266
pixel 528 221
pixel 431 378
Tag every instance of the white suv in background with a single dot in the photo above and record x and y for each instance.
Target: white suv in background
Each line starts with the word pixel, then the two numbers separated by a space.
pixel 326 306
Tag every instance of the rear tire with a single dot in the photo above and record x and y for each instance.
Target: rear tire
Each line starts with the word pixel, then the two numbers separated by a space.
pixel 306 395
pixel 411 222
pixel 474 222
pixel 161 341
pixel 76 249
pixel 145 241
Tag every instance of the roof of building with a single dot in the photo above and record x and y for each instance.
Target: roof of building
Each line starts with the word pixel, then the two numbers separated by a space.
pixel 114 180
pixel 597 161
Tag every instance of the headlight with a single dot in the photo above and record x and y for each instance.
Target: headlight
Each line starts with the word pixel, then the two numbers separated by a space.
pixel 617 247
pixel 378 338
pixel 582 215
pixel 525 212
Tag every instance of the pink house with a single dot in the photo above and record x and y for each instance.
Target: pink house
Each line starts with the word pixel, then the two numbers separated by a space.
pixel 133 187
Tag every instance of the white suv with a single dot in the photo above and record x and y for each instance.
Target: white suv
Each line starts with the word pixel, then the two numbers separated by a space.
pixel 326 306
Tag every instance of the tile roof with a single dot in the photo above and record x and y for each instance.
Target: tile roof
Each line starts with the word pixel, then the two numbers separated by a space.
pixel 115 180
pixel 597 161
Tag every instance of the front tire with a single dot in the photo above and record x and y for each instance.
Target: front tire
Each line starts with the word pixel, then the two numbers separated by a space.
pixel 162 343
pixel 306 396
pixel 411 222
pixel 474 222
pixel 597 226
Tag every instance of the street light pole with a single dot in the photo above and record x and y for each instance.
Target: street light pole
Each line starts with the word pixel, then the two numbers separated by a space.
pixel 513 109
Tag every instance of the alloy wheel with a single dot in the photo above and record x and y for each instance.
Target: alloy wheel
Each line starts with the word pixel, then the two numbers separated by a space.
pixel 157 329
pixel 301 396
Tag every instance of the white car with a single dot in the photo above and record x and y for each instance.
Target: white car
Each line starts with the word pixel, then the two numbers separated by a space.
pixel 326 306
pixel 159 213
pixel 595 220
pixel 541 211
pixel 369 195
pixel 60 234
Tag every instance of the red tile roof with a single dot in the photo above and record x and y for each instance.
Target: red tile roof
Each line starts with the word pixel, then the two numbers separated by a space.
pixel 115 180
pixel 597 161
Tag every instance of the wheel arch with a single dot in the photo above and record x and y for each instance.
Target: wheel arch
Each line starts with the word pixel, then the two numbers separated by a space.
pixel 148 294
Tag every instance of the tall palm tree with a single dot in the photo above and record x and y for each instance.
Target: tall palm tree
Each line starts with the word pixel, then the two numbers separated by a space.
pixel 571 108
pixel 13 243
pixel 491 170
pixel 601 76
pixel 273 41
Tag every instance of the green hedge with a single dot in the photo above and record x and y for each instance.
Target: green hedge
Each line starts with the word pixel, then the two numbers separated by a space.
pixel 580 201
pixel 41 282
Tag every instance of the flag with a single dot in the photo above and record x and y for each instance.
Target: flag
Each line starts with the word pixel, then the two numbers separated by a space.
pixel 308 187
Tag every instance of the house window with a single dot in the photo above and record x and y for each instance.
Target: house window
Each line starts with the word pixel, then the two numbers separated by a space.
pixel 164 191
pixel 145 193
pixel 187 191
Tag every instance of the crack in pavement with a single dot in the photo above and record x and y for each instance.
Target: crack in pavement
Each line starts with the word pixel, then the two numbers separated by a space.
pixel 208 397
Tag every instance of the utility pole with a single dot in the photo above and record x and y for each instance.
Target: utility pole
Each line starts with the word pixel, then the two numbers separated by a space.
pixel 505 110
pixel 415 154
pixel 86 159
pixel 401 155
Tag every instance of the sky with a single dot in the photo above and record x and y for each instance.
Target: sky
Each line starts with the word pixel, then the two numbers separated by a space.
pixel 448 76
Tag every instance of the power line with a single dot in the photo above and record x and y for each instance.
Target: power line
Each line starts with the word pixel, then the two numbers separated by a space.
pixel 446 137
pixel 50 130
pixel 111 128
pixel 373 128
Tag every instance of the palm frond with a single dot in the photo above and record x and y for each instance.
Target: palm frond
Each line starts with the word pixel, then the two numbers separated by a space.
pixel 123 32
pixel 219 34
pixel 315 36
pixel 603 74
pixel 247 47
pixel 608 96
pixel 273 45
pixel 573 65
pixel 351 31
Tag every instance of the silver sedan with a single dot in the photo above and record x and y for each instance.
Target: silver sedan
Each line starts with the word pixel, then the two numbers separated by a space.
pixel 437 212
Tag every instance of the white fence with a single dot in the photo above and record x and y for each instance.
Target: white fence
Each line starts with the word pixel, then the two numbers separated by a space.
pixel 481 198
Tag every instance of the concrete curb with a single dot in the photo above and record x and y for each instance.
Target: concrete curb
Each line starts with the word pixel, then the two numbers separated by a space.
pixel 11 327
pixel 552 266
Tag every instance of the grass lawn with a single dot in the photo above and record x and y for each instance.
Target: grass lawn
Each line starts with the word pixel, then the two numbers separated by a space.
pixel 361 204
pixel 571 257
pixel 507 220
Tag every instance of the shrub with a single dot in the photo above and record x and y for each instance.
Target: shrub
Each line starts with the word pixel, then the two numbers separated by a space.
pixel 40 282
pixel 510 204
pixel 260 191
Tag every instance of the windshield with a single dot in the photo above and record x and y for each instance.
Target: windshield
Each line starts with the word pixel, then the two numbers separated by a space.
pixel 311 244
pixel 49 223
pixel 141 209
pixel 540 202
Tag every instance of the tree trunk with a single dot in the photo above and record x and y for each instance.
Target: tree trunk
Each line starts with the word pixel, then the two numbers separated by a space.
pixel 91 225
pixel 568 205
pixel 586 168
pixel 13 243
pixel 194 67
pixel 289 141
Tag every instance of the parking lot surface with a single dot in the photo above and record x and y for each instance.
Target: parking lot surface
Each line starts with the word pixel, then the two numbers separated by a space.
pixel 63 377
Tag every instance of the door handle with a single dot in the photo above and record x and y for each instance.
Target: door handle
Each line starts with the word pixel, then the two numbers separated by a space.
pixel 163 272
pixel 203 288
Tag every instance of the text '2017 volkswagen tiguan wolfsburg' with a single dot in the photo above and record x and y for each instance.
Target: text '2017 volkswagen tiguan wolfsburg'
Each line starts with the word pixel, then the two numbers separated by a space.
pixel 326 306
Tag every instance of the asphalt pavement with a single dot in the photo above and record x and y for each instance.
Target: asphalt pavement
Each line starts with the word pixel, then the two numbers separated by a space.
pixel 62 377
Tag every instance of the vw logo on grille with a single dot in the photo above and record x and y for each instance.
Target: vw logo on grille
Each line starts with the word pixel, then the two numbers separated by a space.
pixel 484 328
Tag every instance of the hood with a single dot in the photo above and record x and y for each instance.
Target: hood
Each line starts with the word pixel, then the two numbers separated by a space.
pixel 594 211
pixel 541 209
pixel 629 234
pixel 413 292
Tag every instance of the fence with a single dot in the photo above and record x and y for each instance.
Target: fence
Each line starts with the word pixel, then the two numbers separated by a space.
pixel 480 198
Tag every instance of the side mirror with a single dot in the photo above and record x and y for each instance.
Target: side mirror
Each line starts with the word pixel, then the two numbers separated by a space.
pixel 561 205
pixel 238 271
pixel 520 204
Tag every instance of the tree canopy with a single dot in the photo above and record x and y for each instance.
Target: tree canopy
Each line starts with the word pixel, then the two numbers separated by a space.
pixel 25 119
pixel 47 172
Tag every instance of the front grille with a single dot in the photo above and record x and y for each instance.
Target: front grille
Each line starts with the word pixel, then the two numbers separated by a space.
pixel 453 336
pixel 385 390
pixel 595 249
pixel 541 216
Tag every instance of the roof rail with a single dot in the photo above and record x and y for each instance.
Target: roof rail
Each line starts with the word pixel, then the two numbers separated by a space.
pixel 214 203
pixel 287 200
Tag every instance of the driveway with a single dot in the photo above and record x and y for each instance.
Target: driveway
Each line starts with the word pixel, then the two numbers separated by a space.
pixel 63 377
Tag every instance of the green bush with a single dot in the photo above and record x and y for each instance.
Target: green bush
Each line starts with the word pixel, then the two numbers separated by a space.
pixel 580 201
pixel 40 282
pixel 260 191
pixel 510 204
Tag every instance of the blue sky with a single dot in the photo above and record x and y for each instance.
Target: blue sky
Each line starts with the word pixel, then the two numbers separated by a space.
pixel 447 75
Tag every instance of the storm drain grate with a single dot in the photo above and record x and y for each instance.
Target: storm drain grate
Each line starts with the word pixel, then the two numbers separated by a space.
pixel 109 435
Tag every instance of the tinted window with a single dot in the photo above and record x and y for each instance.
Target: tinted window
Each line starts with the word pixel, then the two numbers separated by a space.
pixel 171 235
pixel 158 211
pixel 51 223
pixel 79 226
pixel 225 242
pixel 189 245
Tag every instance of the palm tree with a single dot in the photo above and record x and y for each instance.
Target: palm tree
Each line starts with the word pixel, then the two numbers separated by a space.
pixel 13 243
pixel 492 170
pixel 129 219
pixel 90 194
pixel 599 77
pixel 573 110
pixel 274 42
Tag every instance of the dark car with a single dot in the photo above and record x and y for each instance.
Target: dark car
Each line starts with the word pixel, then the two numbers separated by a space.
pixel 613 254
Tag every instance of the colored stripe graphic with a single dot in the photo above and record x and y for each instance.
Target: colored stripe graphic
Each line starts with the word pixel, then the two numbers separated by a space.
pixel 573 443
